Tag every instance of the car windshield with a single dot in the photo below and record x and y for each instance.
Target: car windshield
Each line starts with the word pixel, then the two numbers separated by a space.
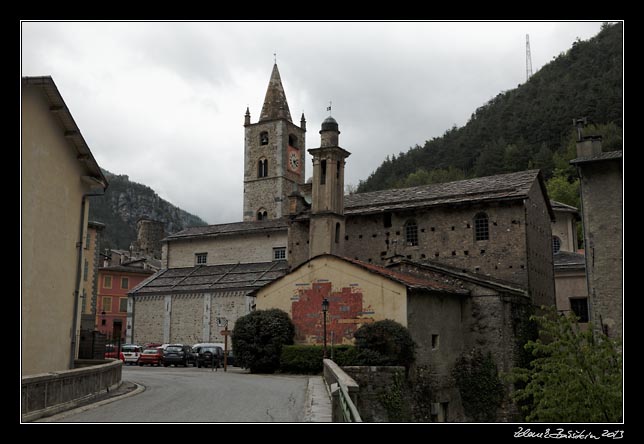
pixel 130 349
pixel 150 352
pixel 173 348
pixel 208 349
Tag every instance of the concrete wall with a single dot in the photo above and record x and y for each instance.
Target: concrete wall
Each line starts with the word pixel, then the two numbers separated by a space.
pixel 447 235
pixel 355 295
pixel 442 317
pixel 190 317
pixel 570 284
pixel 229 249
pixel 540 265
pixel 51 193
pixel 50 393
pixel 565 228
pixel 602 205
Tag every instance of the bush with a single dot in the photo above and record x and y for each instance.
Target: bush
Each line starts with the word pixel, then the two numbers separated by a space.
pixel 384 343
pixel 258 338
pixel 307 359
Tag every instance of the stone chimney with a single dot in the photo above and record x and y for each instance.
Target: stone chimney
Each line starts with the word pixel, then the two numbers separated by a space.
pixel 587 146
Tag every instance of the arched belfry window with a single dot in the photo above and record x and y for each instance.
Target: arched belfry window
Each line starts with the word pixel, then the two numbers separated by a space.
pixel 263 138
pixel 262 214
pixel 292 140
pixel 262 168
pixel 411 232
pixel 481 227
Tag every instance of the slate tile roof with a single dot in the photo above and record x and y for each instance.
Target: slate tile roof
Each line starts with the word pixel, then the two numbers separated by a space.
pixel 608 155
pixel 500 187
pixel 209 278
pixel 566 260
pixel 232 228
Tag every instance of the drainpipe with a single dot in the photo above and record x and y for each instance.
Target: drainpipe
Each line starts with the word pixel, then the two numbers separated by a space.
pixel 92 182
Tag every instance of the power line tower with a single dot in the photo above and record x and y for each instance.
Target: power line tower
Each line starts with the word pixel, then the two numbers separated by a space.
pixel 528 58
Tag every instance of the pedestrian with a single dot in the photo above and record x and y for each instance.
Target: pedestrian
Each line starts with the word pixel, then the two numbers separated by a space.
pixel 215 359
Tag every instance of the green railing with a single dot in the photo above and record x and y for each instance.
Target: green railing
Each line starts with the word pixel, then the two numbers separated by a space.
pixel 349 410
pixel 344 393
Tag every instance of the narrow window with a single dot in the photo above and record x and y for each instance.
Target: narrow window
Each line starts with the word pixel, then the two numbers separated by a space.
pixel 125 283
pixel 292 140
pixel 481 227
pixel 201 258
pixel 579 306
pixel 259 215
pixel 411 233
pixel 337 233
pixel 434 342
pixel 337 170
pixel 123 305
pixel 107 304
pixel 556 244
pixel 262 168
pixel 85 270
pixel 263 138
pixel 386 219
pixel 107 281
pixel 87 240
pixel 279 253
pixel 323 172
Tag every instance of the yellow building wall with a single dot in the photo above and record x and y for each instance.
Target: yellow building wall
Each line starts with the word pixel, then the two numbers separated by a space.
pixel 51 194
pixel 355 295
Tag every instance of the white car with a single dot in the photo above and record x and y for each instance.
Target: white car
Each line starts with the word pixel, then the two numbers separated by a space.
pixel 131 352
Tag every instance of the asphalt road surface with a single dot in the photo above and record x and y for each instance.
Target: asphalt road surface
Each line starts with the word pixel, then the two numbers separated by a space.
pixel 178 394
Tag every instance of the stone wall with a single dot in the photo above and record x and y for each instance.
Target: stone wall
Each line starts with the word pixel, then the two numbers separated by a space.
pixel 298 242
pixel 447 235
pixel 383 394
pixel 540 267
pixel 602 204
pixel 147 319
pixel 49 393
pixel 228 249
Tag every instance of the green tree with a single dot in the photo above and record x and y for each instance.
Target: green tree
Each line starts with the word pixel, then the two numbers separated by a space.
pixel 561 190
pixel 575 376
pixel 258 338
pixel 491 161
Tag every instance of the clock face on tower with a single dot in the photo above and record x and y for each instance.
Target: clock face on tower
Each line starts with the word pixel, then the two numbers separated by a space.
pixel 294 159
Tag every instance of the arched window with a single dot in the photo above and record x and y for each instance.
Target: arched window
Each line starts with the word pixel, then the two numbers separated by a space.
pixel 262 168
pixel 263 138
pixel 481 227
pixel 411 232
pixel 556 244
pixel 262 214
pixel 292 140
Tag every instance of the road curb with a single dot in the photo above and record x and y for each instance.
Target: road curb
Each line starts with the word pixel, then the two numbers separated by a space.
pixel 140 388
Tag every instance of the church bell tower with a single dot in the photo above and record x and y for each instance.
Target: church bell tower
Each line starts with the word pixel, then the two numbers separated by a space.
pixel 326 229
pixel 274 150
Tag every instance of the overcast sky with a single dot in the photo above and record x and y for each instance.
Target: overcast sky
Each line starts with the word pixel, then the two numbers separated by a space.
pixel 164 102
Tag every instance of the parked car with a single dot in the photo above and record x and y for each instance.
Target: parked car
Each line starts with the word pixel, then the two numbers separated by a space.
pixel 197 347
pixel 151 356
pixel 131 352
pixel 230 359
pixel 209 353
pixel 110 353
pixel 177 354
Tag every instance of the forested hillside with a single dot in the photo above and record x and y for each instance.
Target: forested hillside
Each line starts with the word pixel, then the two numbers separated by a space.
pixel 526 127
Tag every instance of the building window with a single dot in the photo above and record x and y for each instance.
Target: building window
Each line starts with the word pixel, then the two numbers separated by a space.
pixel 435 342
pixel 481 227
pixel 279 253
pixel 337 233
pixel 85 270
pixel 107 304
pixel 263 138
pixel 411 233
pixel 125 283
pixel 262 214
pixel 262 168
pixel 123 305
pixel 292 140
pixel 87 240
pixel 556 244
pixel 107 282
pixel 579 306
pixel 323 172
pixel 201 258
pixel 84 298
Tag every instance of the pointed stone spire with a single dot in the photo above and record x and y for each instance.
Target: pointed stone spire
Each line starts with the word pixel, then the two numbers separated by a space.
pixel 247 117
pixel 275 104
pixel 303 122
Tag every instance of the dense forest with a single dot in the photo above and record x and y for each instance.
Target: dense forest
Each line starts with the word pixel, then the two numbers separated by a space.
pixel 528 127
pixel 125 202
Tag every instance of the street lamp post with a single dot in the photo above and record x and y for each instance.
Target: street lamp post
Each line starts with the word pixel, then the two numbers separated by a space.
pixel 325 308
